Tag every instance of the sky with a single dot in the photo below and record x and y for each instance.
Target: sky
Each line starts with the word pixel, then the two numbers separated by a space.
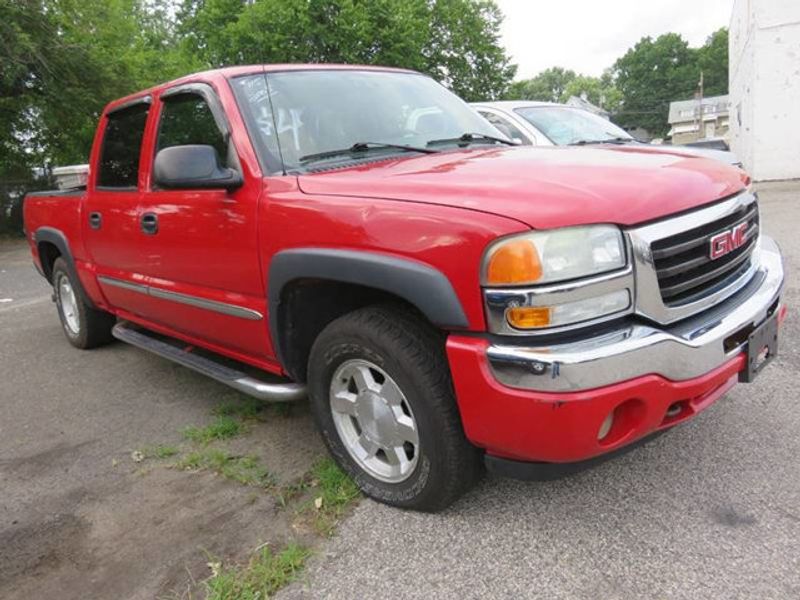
pixel 587 36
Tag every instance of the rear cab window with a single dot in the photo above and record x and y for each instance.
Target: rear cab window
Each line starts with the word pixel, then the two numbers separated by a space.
pixel 121 148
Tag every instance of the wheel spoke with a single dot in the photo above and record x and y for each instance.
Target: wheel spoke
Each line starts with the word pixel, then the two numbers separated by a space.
pixel 368 447
pixel 344 402
pixel 406 430
pixel 391 393
pixel 364 379
pixel 396 456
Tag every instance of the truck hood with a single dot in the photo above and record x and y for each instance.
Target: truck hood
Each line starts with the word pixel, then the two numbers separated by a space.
pixel 542 187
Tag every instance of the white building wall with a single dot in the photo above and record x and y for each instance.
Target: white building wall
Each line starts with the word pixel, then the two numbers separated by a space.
pixel 765 87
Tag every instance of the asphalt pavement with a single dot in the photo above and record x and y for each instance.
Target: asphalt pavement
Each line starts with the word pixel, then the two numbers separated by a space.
pixel 709 510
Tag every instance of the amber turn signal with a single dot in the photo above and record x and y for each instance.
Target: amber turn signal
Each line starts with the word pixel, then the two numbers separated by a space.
pixel 514 262
pixel 528 317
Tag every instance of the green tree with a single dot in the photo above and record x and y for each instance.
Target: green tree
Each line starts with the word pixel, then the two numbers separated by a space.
pixel 547 86
pixel 61 61
pixel 712 60
pixel 651 75
pixel 600 91
pixel 463 51
pixel 455 41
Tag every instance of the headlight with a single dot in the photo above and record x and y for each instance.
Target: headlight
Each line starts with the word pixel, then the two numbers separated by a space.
pixel 554 255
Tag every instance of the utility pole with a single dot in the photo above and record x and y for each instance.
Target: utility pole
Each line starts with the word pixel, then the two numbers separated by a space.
pixel 701 125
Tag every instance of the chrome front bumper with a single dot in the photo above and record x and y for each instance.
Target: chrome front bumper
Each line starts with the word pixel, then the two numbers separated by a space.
pixel 685 350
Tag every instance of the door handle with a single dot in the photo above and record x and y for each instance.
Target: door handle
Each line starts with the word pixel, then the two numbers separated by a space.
pixel 149 223
pixel 95 220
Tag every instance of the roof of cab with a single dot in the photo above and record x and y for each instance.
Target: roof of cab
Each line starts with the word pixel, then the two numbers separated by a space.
pixel 236 71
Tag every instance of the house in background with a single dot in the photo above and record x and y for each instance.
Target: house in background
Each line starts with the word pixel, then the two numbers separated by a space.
pixel 764 83
pixel 582 102
pixel 695 120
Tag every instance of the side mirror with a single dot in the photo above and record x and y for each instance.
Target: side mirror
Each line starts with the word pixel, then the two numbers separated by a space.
pixel 193 167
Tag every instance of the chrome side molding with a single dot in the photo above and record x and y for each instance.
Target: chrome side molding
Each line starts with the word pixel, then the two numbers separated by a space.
pixel 213 305
pixel 263 390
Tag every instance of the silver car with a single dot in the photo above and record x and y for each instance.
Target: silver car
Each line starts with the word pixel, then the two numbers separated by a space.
pixel 551 124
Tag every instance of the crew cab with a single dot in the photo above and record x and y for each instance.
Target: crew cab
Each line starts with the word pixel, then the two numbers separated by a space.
pixel 445 298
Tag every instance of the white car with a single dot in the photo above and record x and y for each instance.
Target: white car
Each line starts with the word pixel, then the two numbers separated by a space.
pixel 550 124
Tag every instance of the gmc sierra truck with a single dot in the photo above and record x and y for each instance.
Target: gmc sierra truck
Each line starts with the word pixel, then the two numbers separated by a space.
pixel 445 298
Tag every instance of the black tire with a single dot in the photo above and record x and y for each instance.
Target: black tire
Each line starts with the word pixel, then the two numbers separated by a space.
pixel 92 327
pixel 411 352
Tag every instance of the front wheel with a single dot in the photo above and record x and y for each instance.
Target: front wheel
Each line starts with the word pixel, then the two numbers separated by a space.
pixel 380 389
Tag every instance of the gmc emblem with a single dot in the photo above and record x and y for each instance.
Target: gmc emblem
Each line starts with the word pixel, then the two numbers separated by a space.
pixel 728 241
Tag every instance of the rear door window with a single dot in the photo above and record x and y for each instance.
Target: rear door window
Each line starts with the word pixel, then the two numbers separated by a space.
pixel 122 145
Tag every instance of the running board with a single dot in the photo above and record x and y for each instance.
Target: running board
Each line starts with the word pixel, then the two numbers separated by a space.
pixel 268 392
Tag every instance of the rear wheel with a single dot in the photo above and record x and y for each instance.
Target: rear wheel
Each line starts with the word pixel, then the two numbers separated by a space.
pixel 84 326
pixel 380 388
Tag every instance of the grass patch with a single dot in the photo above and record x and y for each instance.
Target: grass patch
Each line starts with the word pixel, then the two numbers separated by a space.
pixel 247 408
pixel 246 470
pixel 334 493
pixel 264 575
pixel 223 428
pixel 159 451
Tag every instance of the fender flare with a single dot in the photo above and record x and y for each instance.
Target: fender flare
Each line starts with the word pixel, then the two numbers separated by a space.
pixel 424 287
pixel 59 240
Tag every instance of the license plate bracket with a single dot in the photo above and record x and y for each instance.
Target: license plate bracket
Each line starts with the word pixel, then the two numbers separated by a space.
pixel 762 348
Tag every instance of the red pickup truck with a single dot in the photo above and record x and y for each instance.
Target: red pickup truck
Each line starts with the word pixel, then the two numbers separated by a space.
pixel 444 298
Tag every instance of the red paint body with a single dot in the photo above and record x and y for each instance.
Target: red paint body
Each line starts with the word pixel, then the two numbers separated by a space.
pixel 441 210
pixel 525 425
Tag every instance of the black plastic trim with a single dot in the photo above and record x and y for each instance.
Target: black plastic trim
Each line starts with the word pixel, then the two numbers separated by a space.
pixel 207 92
pixel 148 99
pixel 59 240
pixel 422 286
pixel 542 471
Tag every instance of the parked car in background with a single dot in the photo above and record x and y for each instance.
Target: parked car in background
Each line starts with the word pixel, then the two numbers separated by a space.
pixel 443 296
pixel 551 124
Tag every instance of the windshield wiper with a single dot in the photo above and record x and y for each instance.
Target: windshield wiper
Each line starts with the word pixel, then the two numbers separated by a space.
pixel 468 138
pixel 612 140
pixel 362 147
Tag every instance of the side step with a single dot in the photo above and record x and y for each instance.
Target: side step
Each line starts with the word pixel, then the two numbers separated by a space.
pixel 268 392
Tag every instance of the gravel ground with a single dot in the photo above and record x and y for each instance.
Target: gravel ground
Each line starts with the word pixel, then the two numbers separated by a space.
pixel 710 510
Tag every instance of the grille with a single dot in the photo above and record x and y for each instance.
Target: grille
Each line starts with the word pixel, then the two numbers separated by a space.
pixel 686 272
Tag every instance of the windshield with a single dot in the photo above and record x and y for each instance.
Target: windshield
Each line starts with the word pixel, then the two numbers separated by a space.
pixel 298 114
pixel 564 125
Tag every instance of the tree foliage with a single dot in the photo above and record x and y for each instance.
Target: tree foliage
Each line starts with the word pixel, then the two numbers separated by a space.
pixel 557 85
pixel 455 41
pixel 656 72
pixel 547 86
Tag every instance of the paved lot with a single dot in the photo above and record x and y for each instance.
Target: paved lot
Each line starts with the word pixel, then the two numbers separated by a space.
pixel 78 517
pixel 711 510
